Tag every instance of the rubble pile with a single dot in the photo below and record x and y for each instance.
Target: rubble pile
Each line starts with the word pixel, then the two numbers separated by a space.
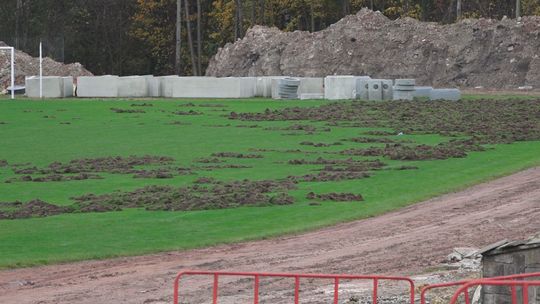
pixel 26 65
pixel 470 53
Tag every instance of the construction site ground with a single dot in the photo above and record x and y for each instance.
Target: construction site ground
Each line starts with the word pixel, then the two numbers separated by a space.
pixel 413 241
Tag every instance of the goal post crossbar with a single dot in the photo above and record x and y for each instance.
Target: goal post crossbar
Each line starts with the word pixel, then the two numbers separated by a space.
pixel 12 51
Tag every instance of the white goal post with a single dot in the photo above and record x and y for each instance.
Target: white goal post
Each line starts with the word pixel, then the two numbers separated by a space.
pixel 12 50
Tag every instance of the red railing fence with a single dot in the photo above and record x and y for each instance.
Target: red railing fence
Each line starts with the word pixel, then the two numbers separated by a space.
pixel 510 283
pixel 465 282
pixel 297 277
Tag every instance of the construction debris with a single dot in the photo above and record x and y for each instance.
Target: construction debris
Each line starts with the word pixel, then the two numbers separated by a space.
pixel 470 53
pixel 26 65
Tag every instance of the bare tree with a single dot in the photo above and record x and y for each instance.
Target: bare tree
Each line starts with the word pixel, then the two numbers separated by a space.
pixel 406 7
pixel 253 12
pixel 239 20
pixel 199 37
pixel 346 6
pixel 17 23
pixel 190 40
pixel 178 57
pixel 262 6
pixel 312 16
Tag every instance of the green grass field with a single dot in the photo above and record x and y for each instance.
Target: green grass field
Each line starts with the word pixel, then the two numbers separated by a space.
pixel 37 132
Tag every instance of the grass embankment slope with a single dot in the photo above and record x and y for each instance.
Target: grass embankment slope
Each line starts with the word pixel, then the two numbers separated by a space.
pixel 40 133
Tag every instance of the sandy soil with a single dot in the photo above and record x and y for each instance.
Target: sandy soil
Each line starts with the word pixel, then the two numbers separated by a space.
pixel 409 241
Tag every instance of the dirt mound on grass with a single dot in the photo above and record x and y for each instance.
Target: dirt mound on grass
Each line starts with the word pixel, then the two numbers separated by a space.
pixel 34 208
pixel 486 121
pixel 26 65
pixel 472 52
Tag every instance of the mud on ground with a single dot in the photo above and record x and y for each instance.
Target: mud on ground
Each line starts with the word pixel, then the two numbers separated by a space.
pixel 411 241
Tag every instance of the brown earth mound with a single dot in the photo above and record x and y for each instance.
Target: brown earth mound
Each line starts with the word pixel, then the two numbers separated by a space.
pixel 472 52
pixel 26 65
pixel 487 121
pixel 206 194
pixel 35 208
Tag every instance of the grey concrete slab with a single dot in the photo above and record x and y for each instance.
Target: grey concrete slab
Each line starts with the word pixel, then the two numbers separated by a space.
pixel 387 89
pixel 212 87
pixel 405 82
pixel 53 87
pixel 403 95
pixel 422 92
pixel 305 96
pixel 404 87
pixel 375 89
pixel 340 87
pixel 97 86
pixel 362 87
pixel 166 85
pixel 153 86
pixel 68 86
pixel 311 85
pixel 133 86
pixel 445 94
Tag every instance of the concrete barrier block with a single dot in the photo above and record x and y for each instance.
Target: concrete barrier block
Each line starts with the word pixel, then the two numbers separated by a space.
pixel 405 82
pixel 97 86
pixel 153 86
pixel 311 85
pixel 362 87
pixel 387 89
pixel 422 92
pixel 166 85
pixel 212 87
pixel 132 86
pixel 248 86
pixel 375 89
pixel 68 86
pixel 403 95
pixel 275 86
pixel 306 96
pixel 53 87
pixel 264 86
pixel 445 94
pixel 339 87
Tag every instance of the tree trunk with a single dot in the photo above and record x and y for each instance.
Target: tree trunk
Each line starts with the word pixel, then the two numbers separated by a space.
pixel 406 9
pixel 239 20
pixel 518 8
pixel 458 9
pixel 199 37
pixel 312 13
pixel 17 23
pixel 262 6
pixel 190 40
pixel 178 56
pixel 253 12
pixel 346 7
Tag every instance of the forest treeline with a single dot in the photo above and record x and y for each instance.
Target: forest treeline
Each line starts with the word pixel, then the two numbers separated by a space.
pixel 128 37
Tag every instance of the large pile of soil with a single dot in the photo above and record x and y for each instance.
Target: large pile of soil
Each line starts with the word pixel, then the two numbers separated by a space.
pixel 26 65
pixel 472 52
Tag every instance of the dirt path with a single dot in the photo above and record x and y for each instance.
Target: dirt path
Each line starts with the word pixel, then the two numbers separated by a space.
pixel 407 241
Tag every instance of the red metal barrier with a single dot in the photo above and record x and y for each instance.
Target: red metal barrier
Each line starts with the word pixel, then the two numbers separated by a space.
pixel 297 276
pixel 512 284
pixel 461 283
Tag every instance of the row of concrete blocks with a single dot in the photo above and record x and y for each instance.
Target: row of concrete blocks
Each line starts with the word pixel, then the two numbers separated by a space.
pixel 167 86
pixel 365 88
pixel 331 87
pixel 53 87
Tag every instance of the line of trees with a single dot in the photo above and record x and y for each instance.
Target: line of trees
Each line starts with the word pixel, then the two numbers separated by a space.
pixel 179 36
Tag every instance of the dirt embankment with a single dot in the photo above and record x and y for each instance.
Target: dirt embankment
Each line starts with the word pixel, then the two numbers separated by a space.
pixel 26 65
pixel 473 52
pixel 407 241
